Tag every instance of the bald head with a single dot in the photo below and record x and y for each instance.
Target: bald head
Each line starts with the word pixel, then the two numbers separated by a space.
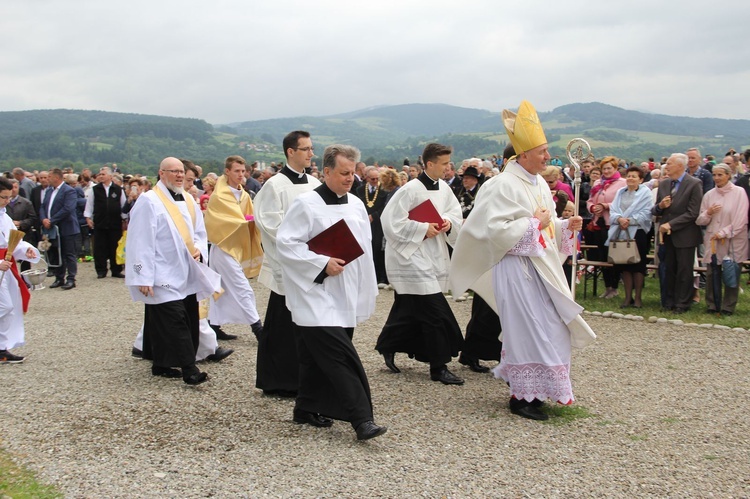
pixel 172 173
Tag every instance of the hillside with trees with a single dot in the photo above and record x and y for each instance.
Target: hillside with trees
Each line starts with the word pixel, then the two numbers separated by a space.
pixel 387 134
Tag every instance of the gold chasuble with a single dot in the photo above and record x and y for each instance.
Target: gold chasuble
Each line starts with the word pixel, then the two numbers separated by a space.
pixel 230 226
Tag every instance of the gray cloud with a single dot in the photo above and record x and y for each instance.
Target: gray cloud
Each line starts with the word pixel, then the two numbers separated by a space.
pixel 231 61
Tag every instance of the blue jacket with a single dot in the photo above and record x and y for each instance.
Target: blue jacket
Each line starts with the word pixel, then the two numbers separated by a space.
pixel 63 211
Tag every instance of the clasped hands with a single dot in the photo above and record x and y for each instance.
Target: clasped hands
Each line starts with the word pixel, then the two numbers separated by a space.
pixel 435 229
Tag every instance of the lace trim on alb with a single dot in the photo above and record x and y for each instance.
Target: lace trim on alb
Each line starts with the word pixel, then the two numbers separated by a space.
pixel 529 244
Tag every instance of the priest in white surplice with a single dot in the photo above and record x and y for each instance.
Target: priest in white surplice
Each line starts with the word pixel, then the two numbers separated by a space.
pixel 421 323
pixel 236 253
pixel 507 252
pixel 328 297
pixel 277 364
pixel 165 245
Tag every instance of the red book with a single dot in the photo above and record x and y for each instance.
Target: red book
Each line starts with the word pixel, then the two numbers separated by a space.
pixel 337 241
pixel 426 212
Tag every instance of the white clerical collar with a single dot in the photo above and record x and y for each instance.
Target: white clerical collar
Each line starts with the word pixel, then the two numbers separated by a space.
pixel 300 175
pixel 531 178
pixel 434 181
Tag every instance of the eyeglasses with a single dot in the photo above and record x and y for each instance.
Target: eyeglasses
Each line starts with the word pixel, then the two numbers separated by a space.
pixel 175 172
pixel 305 149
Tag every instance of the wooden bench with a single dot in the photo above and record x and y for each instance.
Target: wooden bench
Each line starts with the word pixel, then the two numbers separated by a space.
pixel 597 268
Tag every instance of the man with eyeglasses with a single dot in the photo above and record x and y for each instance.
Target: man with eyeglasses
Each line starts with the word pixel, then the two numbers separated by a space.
pixel 278 364
pixel 374 199
pixel 165 249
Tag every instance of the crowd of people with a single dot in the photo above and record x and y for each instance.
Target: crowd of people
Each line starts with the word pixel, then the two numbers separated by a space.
pixel 188 245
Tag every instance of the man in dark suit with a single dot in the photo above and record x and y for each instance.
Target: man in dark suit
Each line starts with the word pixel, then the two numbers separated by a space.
pixel 359 173
pixel 59 210
pixel 103 214
pixel 678 203
pixel 374 198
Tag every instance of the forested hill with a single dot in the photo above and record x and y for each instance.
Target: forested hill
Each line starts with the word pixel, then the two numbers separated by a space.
pixel 386 134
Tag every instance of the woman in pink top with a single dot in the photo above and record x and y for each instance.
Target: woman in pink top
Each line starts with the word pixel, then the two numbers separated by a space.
pixel 602 194
pixel 724 213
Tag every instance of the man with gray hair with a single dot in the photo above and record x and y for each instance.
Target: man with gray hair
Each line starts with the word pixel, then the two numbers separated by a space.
pixel 328 297
pixel 103 214
pixel 678 202
pixel 374 198
pixel 25 184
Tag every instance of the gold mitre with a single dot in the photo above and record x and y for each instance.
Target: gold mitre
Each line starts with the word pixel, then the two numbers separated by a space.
pixel 524 128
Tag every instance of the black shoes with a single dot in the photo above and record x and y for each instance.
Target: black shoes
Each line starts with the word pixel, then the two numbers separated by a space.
pixel 473 364
pixel 221 335
pixel 195 379
pixel 304 417
pixel 68 285
pixel 119 275
pixel 528 410
pixel 101 276
pixel 8 358
pixel 368 430
pixel 57 283
pixel 445 376
pixel 165 372
pixel 390 363
pixel 220 354
pixel 136 353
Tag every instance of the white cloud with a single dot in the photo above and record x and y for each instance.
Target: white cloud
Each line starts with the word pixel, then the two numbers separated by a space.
pixel 231 61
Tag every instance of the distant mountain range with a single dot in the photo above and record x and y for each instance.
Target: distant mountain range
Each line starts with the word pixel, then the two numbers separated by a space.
pixel 385 134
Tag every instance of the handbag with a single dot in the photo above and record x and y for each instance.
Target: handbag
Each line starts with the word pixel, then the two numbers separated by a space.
pixel 730 269
pixel 623 251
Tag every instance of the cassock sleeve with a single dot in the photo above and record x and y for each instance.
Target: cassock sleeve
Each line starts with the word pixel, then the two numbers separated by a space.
pixel 200 236
pixel 452 211
pixel 300 266
pixel 269 211
pixel 140 245
pixel 402 234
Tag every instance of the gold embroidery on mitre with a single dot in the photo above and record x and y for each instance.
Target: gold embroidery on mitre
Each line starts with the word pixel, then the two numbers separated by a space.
pixel 524 128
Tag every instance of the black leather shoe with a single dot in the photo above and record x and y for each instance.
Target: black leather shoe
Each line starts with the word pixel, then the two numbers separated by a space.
pixel 390 363
pixel 101 276
pixel 220 354
pixel 473 364
pixel 57 283
pixel 68 285
pixel 221 335
pixel 165 372
pixel 527 410
pixel 195 379
pixel 304 417
pixel 368 430
pixel 136 353
pixel 446 377
pixel 118 275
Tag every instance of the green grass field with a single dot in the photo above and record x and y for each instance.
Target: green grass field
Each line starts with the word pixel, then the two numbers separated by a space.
pixel 19 483
pixel 652 305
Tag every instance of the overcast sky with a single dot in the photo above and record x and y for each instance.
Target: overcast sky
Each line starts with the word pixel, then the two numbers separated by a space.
pixel 229 60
